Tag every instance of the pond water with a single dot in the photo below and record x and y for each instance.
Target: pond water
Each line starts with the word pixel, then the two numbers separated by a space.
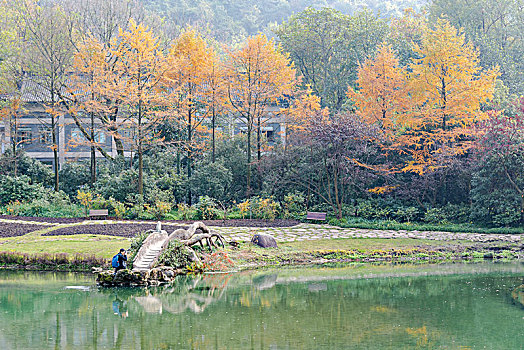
pixel 447 306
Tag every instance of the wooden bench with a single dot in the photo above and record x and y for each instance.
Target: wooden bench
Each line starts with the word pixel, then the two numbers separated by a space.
pixel 98 213
pixel 313 215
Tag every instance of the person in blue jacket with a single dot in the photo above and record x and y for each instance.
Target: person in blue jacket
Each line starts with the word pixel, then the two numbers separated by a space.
pixel 122 259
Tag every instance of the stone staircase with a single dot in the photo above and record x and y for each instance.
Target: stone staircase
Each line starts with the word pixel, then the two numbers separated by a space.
pixel 149 257
pixel 157 239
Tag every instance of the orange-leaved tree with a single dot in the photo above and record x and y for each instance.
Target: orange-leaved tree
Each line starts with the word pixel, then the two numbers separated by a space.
pixel 215 96
pixel 382 96
pixel 85 99
pixel 299 116
pixel 259 74
pixel 138 71
pixel 191 61
pixel 448 87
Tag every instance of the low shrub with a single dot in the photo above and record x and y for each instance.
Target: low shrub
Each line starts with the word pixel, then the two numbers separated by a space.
pixel 185 212
pixel 451 213
pixel 60 261
pixel 216 261
pixel 259 208
pixel 267 208
pixel 176 255
pixel 44 208
pixel 13 189
pixel 206 209
pixel 406 214
pixel 159 209
pixel 294 205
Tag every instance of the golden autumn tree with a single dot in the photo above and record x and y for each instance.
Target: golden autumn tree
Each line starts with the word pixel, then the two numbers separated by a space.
pixel 259 74
pixel 191 63
pixel 448 86
pixel 85 100
pixel 381 97
pixel 215 95
pixel 139 69
pixel 299 116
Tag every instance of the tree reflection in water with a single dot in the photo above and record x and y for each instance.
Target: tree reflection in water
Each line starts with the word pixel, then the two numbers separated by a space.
pixel 360 307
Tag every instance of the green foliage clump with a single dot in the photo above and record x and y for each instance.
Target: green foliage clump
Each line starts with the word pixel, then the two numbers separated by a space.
pixel 73 177
pixel 294 205
pixel 206 209
pixel 213 180
pixel 159 209
pixel 451 213
pixel 406 214
pixel 495 200
pixel 37 171
pixel 176 255
pixel 18 189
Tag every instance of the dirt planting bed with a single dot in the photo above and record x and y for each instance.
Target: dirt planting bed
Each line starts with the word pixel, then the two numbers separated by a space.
pixel 121 230
pixel 220 223
pixel 8 229
pixel 243 223
pixel 46 220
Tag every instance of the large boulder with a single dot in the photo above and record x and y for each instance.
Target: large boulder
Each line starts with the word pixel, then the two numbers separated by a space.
pixel 264 240
pixel 122 278
pixel 130 278
pixel 153 277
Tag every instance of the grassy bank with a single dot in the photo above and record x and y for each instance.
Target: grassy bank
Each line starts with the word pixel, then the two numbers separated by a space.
pixel 416 226
pixel 371 250
pixel 82 252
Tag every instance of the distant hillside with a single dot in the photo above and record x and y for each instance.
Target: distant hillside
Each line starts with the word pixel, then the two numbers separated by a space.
pixel 232 20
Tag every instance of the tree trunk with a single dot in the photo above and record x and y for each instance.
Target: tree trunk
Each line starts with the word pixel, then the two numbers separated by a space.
pixel 189 153
pixel 259 152
pixel 522 209
pixel 14 142
pixel 259 135
pixel 118 139
pixel 119 146
pixel 140 170
pixel 93 151
pixel 248 188
pixel 55 151
pixel 213 159
pixel 139 139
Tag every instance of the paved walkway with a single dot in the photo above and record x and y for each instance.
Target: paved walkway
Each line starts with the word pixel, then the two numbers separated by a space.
pixel 310 232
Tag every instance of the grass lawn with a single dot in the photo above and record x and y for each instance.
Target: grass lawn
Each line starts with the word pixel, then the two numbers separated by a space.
pixel 364 244
pixel 97 245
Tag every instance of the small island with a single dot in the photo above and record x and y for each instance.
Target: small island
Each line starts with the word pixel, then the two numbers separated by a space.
pixel 158 257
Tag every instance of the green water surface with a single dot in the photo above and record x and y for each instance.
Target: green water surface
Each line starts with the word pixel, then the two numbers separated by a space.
pixel 449 306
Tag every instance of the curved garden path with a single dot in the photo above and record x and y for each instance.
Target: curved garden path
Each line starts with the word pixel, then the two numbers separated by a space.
pixel 304 232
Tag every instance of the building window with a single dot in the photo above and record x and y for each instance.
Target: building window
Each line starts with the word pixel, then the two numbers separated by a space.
pixel 45 136
pixel 77 135
pixel 100 137
pixel 25 136
pixel 270 136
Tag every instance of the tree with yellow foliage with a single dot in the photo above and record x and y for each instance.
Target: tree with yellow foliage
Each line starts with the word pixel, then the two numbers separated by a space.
pixel 381 97
pixel 259 75
pixel 215 97
pixel 138 72
pixel 191 65
pixel 448 87
pixel 301 114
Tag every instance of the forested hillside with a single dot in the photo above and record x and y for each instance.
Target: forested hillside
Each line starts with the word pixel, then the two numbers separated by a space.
pixel 231 20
